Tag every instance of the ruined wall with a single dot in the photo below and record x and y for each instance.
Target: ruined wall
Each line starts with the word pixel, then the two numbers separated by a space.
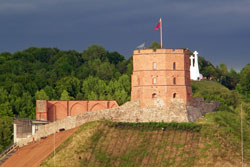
pixel 177 111
pixel 200 107
pixel 58 110
pixel 22 128
pixel 41 110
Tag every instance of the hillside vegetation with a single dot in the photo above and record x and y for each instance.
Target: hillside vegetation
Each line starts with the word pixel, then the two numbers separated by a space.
pixel 53 74
pixel 214 91
pixel 214 140
pixel 226 121
pixel 93 74
pixel 144 144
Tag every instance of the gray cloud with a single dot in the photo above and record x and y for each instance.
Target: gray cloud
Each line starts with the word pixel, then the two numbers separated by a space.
pixel 218 29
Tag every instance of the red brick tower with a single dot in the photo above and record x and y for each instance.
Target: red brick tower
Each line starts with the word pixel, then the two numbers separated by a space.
pixel 161 76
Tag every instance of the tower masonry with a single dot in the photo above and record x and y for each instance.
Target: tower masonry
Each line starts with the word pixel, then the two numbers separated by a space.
pixel 160 77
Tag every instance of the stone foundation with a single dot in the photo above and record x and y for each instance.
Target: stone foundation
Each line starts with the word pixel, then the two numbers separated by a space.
pixel 177 111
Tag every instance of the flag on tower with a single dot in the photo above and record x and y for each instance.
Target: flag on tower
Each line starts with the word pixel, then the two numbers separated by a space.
pixel 158 25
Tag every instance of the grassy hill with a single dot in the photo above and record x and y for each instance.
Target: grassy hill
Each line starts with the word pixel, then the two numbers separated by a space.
pixel 144 144
pixel 214 140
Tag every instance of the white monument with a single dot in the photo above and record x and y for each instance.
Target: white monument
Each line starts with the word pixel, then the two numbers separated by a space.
pixel 194 67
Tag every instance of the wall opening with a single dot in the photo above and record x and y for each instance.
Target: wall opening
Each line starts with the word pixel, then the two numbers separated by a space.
pixel 154 95
pixel 154 66
pixel 174 95
pixel 174 81
pixel 154 80
pixel 174 66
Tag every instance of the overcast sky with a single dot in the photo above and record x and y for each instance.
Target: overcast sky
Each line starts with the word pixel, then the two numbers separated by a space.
pixel 218 29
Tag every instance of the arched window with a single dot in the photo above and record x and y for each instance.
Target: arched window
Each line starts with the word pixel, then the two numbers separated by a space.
pixel 174 66
pixel 174 81
pixel 154 66
pixel 174 95
pixel 154 95
pixel 154 80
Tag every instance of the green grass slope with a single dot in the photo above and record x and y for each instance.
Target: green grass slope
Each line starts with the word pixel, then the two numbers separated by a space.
pixel 211 90
pixel 214 140
pixel 144 144
pixel 226 122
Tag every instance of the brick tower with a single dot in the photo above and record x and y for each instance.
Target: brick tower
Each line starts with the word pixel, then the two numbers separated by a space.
pixel 160 77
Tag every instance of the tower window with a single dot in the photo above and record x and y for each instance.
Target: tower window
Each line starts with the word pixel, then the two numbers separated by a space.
pixel 154 80
pixel 154 95
pixel 174 95
pixel 154 66
pixel 174 66
pixel 174 81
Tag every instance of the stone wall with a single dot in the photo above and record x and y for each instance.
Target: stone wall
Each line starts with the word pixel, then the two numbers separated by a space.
pixel 200 107
pixel 177 111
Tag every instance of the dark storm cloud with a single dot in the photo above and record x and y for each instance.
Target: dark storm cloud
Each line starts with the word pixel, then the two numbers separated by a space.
pixel 219 30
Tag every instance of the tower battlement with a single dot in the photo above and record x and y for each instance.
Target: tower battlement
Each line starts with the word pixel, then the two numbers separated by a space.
pixel 161 76
pixel 160 51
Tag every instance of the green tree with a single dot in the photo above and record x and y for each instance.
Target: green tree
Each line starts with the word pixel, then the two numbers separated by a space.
pixel 223 69
pixel 129 66
pixel 234 78
pixel 115 57
pixel 79 96
pixel 41 95
pixel 6 134
pixel 70 84
pixel 40 78
pixel 120 96
pixel 95 85
pixel 125 82
pixel 31 87
pixel 92 96
pixel 154 45
pixel 6 109
pixel 206 67
pixel 106 71
pixel 209 71
pixel 244 84
pixel 119 89
pixel 94 52
pixel 17 89
pixel 3 95
pixel 27 107
pixel 50 92
pixel 65 96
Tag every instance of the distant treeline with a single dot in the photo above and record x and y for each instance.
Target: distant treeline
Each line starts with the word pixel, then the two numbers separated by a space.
pixel 95 73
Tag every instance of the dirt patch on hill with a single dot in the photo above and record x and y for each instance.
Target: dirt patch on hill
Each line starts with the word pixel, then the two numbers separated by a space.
pixel 33 154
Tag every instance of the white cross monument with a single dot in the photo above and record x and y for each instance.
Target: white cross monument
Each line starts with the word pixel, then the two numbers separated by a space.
pixel 194 67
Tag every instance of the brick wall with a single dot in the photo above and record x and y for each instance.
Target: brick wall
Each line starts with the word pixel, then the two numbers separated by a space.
pixel 161 75
pixel 58 110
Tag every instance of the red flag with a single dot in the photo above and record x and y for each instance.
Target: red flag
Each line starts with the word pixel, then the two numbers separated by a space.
pixel 158 25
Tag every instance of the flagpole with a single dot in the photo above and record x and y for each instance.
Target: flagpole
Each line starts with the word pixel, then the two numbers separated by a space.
pixel 161 32
pixel 241 129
